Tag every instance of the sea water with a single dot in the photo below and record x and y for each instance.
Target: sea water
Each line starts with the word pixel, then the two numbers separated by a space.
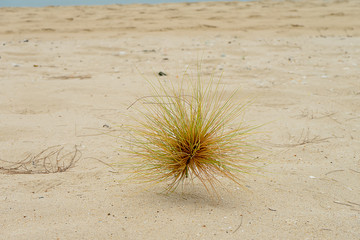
pixel 43 3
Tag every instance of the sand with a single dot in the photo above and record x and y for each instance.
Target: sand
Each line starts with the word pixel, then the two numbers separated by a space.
pixel 67 74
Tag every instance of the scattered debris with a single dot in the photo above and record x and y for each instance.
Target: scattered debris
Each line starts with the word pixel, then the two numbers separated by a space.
pixel 149 51
pixel 304 139
pixel 50 160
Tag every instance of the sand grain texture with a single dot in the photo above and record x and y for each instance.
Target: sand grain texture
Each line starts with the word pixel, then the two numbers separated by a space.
pixel 66 72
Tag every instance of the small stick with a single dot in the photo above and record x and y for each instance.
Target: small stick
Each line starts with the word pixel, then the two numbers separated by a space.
pixel 353 203
pixel 114 170
pixel 334 171
pixel 345 204
pixel 239 225
pixel 96 134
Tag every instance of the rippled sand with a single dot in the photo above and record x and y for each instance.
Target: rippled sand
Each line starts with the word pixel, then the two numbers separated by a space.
pixel 69 73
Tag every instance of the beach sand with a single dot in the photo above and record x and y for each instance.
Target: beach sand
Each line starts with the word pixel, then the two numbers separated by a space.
pixel 67 74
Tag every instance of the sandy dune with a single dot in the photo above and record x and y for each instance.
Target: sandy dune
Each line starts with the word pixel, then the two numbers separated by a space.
pixel 68 73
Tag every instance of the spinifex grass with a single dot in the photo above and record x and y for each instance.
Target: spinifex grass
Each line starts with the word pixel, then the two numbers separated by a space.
pixel 190 130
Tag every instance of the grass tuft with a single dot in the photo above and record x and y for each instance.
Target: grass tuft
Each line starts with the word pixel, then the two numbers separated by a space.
pixel 190 130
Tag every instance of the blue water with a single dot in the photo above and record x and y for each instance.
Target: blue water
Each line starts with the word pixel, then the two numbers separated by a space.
pixel 43 3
